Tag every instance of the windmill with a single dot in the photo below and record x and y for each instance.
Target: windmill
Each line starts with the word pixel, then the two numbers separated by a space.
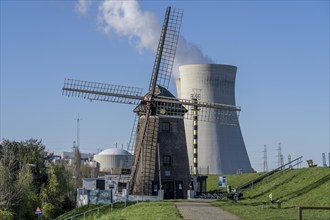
pixel 157 111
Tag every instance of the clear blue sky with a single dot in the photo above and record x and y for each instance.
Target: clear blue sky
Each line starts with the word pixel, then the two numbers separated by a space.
pixel 281 49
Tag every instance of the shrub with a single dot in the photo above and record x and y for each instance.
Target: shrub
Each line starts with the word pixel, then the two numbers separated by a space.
pixel 6 215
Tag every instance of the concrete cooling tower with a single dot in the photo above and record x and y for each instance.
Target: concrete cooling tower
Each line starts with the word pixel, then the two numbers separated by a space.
pixel 221 148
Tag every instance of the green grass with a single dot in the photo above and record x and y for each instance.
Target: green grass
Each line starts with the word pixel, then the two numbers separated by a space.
pixel 136 211
pixel 81 210
pixel 298 187
pixel 145 210
pixel 233 180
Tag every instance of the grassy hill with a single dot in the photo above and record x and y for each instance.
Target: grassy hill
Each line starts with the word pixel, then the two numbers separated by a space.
pixel 136 211
pixel 234 180
pixel 296 187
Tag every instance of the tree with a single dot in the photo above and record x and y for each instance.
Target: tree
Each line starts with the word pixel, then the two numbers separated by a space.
pixel 32 152
pixel 15 179
pixel 26 182
pixel 77 168
pixel 53 194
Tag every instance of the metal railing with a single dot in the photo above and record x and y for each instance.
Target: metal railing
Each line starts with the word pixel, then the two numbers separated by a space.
pixel 88 211
pixel 252 182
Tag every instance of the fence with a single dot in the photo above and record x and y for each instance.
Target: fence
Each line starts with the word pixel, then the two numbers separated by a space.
pixel 87 212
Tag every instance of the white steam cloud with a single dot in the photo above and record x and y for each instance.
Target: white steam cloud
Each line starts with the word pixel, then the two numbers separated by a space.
pixel 126 19
pixel 188 53
pixel 83 6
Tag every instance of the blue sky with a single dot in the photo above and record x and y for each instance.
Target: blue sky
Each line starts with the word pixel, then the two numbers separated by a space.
pixel 281 49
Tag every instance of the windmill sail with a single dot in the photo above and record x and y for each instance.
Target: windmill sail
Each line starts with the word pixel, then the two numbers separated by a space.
pixel 143 170
pixel 102 91
pixel 164 60
pixel 161 75
pixel 209 112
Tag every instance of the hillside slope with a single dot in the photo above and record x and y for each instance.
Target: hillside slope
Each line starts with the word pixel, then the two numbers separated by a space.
pixel 295 187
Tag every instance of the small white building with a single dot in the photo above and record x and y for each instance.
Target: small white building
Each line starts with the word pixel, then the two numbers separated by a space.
pixel 102 189
pixel 114 160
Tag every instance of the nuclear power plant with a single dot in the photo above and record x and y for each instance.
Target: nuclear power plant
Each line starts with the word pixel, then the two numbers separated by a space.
pixel 221 148
pixel 163 144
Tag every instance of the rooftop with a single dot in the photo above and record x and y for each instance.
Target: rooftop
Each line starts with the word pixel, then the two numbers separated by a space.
pixel 114 151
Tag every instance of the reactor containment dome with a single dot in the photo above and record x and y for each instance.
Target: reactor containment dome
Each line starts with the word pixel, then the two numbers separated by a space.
pixel 221 148
pixel 113 160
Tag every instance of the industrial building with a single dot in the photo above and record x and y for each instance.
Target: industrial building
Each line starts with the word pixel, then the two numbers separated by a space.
pixel 114 160
pixel 221 146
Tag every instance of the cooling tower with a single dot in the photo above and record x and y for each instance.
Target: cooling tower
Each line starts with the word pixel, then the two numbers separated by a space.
pixel 221 148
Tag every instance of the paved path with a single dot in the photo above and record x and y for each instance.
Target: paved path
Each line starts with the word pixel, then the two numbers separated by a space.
pixel 202 210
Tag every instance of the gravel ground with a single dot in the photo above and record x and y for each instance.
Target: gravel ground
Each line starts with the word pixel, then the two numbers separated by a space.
pixel 202 210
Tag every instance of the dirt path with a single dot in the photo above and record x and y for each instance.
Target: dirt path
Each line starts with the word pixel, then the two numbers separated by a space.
pixel 202 210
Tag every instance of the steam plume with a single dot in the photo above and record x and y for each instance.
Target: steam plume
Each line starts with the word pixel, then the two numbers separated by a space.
pixel 83 6
pixel 126 19
pixel 188 53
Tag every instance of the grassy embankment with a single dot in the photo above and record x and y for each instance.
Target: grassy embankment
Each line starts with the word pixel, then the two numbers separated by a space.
pixel 297 187
pixel 136 211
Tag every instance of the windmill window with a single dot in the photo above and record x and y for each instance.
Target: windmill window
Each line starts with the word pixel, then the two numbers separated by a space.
pixel 167 160
pixel 167 173
pixel 165 127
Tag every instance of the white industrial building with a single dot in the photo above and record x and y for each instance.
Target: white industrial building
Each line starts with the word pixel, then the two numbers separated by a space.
pixel 221 148
pixel 68 157
pixel 114 160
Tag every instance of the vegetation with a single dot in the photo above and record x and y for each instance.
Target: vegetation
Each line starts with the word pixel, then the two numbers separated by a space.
pixel 234 180
pixel 52 196
pixel 29 180
pixel 79 210
pixel 22 173
pixel 136 211
pixel 293 188
pixel 145 210
pixel 6 215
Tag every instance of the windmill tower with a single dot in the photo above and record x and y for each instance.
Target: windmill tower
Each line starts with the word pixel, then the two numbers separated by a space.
pixel 160 119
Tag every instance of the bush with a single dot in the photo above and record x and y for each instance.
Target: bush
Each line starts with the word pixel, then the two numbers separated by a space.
pixel 51 211
pixel 6 215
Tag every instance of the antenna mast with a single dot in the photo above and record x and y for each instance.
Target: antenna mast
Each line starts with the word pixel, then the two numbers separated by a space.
pixel 78 119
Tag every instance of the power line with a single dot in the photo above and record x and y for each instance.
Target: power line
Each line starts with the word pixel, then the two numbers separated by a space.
pixel 265 159
pixel 324 160
pixel 279 156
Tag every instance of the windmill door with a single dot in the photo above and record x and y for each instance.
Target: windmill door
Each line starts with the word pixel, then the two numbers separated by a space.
pixel 168 189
